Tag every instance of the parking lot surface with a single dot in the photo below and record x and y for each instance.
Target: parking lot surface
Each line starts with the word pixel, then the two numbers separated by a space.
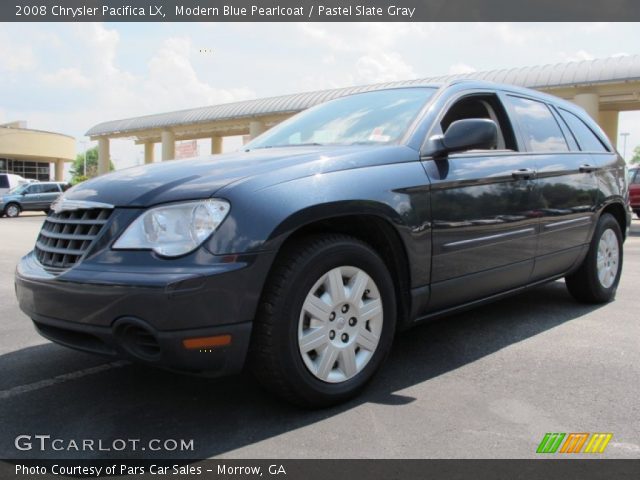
pixel 488 383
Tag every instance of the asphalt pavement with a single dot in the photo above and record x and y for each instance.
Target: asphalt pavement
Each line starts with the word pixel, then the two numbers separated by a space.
pixel 488 383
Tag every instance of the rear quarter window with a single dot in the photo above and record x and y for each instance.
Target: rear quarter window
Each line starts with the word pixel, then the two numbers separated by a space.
pixel 587 140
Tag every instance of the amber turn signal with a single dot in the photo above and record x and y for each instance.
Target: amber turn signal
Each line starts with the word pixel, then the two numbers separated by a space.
pixel 206 342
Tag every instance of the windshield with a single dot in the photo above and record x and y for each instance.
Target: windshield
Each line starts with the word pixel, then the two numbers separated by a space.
pixel 381 116
pixel 19 189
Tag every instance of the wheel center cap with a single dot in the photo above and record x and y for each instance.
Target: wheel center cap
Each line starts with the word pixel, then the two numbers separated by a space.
pixel 340 323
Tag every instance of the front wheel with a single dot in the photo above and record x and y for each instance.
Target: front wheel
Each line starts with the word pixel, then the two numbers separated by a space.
pixel 596 281
pixel 12 210
pixel 326 321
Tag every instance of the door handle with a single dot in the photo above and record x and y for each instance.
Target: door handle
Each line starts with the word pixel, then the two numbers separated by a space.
pixel 586 168
pixel 524 174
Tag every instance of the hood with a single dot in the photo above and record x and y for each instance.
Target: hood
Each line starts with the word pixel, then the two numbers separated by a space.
pixel 196 178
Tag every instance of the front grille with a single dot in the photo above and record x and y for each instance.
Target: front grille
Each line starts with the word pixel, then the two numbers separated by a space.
pixel 66 236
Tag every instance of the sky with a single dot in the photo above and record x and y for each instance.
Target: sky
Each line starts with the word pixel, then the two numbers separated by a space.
pixel 67 77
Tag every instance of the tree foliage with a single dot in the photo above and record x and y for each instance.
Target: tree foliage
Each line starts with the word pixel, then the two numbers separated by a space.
pixel 636 155
pixel 77 171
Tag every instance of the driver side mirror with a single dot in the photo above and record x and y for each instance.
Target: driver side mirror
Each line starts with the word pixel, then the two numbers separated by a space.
pixel 466 134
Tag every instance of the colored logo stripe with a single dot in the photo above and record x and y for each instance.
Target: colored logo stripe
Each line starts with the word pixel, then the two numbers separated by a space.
pixel 574 442
pixel 598 442
pixel 550 443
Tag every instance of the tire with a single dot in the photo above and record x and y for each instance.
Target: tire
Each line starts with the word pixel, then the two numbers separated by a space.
pixel 12 210
pixel 281 356
pixel 593 282
pixel 637 212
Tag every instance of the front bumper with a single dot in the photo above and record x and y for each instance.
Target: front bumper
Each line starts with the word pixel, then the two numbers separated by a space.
pixel 146 315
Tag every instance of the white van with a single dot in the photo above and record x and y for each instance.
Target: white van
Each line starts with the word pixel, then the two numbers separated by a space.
pixel 9 181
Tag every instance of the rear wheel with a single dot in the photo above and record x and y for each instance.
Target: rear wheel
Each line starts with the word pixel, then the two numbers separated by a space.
pixel 12 210
pixel 596 281
pixel 326 321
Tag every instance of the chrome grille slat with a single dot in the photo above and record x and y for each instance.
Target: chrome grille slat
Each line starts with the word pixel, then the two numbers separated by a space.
pixel 65 237
pixel 60 250
pixel 78 221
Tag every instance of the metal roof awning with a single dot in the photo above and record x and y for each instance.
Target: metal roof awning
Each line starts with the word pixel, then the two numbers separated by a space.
pixel 543 77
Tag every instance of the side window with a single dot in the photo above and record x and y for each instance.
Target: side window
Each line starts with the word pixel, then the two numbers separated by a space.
pixel 482 106
pixel 50 188
pixel 31 189
pixel 4 181
pixel 587 140
pixel 539 128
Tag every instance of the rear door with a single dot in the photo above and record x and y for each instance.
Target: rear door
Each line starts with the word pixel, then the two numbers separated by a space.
pixel 483 235
pixel 567 185
pixel 50 191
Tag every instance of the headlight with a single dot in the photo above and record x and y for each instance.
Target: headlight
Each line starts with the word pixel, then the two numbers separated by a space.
pixel 174 229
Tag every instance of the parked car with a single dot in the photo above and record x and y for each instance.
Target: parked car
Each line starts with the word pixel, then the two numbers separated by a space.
pixel 634 190
pixel 307 251
pixel 9 181
pixel 33 196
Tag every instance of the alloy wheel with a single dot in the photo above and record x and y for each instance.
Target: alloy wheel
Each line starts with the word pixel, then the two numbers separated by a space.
pixel 608 258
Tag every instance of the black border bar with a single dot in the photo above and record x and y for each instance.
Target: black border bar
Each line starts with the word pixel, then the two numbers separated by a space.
pixel 539 468
pixel 318 10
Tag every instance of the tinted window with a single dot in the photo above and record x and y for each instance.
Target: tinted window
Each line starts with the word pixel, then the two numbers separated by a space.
pixel 539 128
pixel 50 188
pixel 482 106
pixel 4 181
pixel 587 140
pixel 374 117
pixel 34 189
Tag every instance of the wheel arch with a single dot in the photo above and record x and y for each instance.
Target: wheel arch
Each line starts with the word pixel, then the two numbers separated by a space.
pixel 13 202
pixel 617 210
pixel 367 225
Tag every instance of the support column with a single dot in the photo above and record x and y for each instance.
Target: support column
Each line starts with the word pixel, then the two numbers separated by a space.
pixel 256 127
pixel 590 102
pixel 148 152
pixel 59 170
pixel 103 155
pixel 168 145
pixel 216 145
pixel 609 123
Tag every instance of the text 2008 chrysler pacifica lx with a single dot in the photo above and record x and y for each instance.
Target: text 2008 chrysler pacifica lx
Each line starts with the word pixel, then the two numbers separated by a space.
pixel 303 254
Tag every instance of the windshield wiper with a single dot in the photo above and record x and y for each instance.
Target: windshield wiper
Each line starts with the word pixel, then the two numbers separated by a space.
pixel 310 144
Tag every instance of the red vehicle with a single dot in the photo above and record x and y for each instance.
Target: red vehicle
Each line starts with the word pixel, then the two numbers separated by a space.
pixel 634 189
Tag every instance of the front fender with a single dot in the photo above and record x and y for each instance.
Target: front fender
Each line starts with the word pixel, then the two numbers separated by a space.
pixel 263 219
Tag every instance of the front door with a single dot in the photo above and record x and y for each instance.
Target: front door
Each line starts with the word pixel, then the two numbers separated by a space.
pixel 483 230
pixel 32 197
